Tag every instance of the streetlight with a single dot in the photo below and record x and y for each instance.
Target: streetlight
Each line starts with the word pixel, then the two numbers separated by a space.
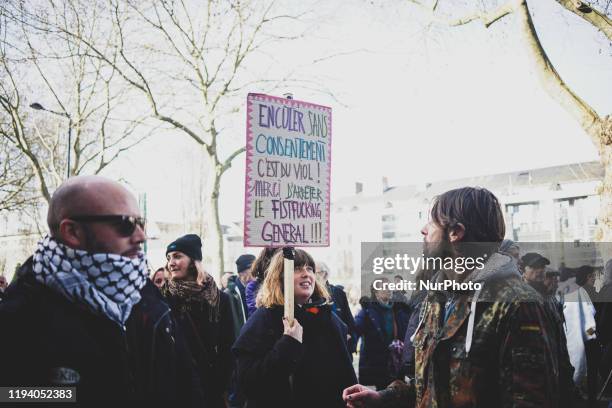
pixel 38 106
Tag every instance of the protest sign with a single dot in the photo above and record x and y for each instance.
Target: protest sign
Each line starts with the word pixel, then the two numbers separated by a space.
pixel 288 168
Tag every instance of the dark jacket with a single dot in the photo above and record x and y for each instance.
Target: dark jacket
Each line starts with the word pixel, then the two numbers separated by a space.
pixel 277 371
pixel 375 341
pixel 567 389
pixel 604 315
pixel 604 329
pixel 236 305
pixel 209 342
pixel 47 340
pixel 242 289
pixel 341 308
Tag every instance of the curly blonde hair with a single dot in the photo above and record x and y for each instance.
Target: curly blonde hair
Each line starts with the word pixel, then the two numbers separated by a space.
pixel 271 292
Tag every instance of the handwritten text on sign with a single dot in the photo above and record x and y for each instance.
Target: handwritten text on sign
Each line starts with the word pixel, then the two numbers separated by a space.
pixel 288 163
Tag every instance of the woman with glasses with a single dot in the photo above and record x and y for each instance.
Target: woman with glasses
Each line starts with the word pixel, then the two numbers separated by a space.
pixel 203 313
pixel 306 364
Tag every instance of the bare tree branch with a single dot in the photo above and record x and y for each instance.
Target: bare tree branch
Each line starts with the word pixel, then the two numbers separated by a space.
pixel 487 18
pixel 38 51
pixel 552 81
pixel 228 162
pixel 596 18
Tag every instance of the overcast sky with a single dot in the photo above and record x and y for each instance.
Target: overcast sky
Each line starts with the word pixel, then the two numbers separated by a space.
pixel 414 107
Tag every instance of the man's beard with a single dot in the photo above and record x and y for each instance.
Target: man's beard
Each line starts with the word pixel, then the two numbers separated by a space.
pixel 437 250
pixel 92 244
pixel 540 287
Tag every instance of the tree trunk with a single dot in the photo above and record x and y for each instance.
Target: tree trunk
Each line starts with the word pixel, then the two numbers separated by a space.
pixel 212 233
pixel 604 232
pixel 216 221
pixel 597 128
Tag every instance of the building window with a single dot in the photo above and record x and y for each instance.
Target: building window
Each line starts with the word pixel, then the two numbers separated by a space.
pixel 388 235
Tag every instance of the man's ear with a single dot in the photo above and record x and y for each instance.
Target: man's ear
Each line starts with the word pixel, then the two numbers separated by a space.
pixel 456 233
pixel 71 234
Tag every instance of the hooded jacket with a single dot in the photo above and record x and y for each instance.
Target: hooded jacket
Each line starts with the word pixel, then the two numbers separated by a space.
pixel 277 371
pixel 483 348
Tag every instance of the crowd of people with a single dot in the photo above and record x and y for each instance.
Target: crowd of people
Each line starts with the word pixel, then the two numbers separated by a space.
pixel 85 311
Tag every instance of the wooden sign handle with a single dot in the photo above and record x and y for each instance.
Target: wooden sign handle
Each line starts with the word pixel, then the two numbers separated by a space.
pixel 288 271
pixel 288 283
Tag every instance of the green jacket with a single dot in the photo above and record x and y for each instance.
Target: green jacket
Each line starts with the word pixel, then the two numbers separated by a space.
pixel 236 305
pixel 493 350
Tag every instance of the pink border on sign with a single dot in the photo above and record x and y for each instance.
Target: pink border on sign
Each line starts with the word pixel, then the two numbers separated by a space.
pixel 247 179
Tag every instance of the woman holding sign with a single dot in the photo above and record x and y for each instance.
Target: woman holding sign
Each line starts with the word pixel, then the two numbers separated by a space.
pixel 306 364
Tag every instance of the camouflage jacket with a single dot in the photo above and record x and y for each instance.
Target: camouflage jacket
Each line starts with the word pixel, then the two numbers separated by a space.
pixel 493 349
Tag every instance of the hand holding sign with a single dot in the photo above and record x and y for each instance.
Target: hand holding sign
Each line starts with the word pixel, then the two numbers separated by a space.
pixel 294 330
pixel 288 256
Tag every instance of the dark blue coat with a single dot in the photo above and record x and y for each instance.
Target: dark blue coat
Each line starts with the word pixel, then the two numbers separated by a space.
pixel 275 370
pixel 374 350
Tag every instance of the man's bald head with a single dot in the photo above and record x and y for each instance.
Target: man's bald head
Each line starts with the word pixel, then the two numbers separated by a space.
pixel 87 195
pixel 72 218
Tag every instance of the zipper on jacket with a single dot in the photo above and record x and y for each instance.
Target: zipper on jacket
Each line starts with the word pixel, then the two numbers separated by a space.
pixel 130 374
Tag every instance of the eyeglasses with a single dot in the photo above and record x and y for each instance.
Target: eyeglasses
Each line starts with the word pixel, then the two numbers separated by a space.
pixel 124 224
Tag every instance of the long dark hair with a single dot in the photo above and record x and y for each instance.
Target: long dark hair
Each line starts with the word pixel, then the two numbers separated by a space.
pixel 478 210
pixel 262 262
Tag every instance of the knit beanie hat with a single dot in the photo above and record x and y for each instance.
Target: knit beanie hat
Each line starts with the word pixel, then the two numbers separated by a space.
pixel 244 262
pixel 190 245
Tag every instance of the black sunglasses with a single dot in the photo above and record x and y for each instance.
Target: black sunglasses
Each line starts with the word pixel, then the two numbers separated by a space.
pixel 125 224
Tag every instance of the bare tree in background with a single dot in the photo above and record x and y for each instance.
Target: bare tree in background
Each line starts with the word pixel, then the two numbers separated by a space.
pixel 598 14
pixel 42 66
pixel 187 59
pixel 16 192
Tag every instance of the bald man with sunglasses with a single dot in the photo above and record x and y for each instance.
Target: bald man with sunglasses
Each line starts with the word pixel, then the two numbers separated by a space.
pixel 82 312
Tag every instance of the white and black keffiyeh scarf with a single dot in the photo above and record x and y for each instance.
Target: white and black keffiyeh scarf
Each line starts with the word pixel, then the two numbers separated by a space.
pixel 107 284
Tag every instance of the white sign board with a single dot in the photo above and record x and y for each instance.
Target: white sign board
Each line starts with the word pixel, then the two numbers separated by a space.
pixel 288 164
